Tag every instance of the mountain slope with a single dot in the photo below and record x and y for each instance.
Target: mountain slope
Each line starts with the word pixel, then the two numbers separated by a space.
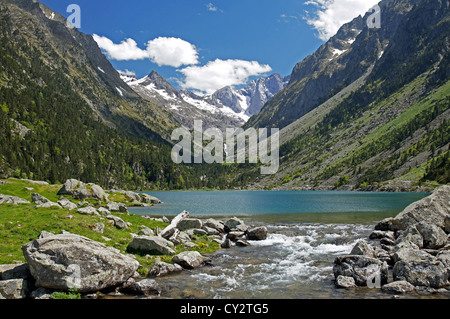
pixel 336 64
pixel 390 127
pixel 65 112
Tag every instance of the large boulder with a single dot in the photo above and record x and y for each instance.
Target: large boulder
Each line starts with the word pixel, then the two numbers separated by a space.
pixel 148 199
pixel 431 210
pixel 98 193
pixel 235 224
pixel 212 223
pixel 118 222
pixel 257 233
pixel 152 245
pixel 424 273
pixel 188 259
pixel 362 269
pixel 67 261
pixel 189 223
pixel 433 236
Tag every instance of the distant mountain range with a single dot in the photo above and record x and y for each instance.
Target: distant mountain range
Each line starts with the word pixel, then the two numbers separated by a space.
pixel 226 108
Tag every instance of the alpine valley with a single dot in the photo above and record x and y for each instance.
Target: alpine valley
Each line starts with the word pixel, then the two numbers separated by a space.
pixel 368 110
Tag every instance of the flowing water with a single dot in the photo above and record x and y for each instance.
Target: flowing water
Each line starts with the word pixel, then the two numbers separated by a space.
pixel 307 230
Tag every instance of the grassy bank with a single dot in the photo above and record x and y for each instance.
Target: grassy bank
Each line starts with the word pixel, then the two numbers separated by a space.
pixel 23 223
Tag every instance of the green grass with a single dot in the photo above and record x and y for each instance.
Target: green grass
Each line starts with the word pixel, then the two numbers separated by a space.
pixel 23 223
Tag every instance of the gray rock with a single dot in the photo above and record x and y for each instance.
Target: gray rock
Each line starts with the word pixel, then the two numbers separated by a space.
pixel 66 261
pixel 118 222
pixel 384 225
pixel 146 287
pixel 363 249
pixel 132 196
pixel 88 211
pixel 433 236
pixel 13 200
pixel 399 287
pixel 65 203
pixel 99 228
pixel 378 234
pixel 447 224
pixel 361 268
pixel 188 259
pixel 161 269
pixel 41 293
pixel 116 207
pixel 422 273
pixel 13 289
pixel 212 223
pixel 48 205
pixel 38 199
pixel 14 271
pixel 69 187
pixel 235 224
pixel 189 223
pixel 148 199
pixel 210 231
pixel 146 232
pixel 152 245
pixel 235 235
pixel 104 211
pixel 45 234
pixel 411 255
pixel 227 244
pixel 432 210
pixel 242 243
pixel 345 282
pixel 99 193
pixel 411 235
pixel 257 233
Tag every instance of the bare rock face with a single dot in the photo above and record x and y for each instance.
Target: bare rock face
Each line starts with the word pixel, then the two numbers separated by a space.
pixel 431 210
pixel 66 261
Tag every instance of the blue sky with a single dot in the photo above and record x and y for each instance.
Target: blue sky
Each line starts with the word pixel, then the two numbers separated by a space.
pixel 241 39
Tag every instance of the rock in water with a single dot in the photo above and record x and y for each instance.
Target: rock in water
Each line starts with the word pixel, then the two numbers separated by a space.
pixel 258 233
pixel 189 259
pixel 362 269
pixel 399 287
pixel 345 282
pixel 66 261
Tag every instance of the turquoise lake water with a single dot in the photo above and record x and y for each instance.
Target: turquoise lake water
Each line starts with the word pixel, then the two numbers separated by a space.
pixel 307 231
pixel 284 206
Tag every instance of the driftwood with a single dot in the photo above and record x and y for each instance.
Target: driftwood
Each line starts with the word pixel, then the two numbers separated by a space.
pixel 174 223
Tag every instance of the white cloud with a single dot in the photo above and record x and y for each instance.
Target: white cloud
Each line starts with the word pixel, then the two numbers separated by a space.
pixel 211 7
pixel 172 51
pixel 126 50
pixel 162 51
pixel 330 15
pixel 221 73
